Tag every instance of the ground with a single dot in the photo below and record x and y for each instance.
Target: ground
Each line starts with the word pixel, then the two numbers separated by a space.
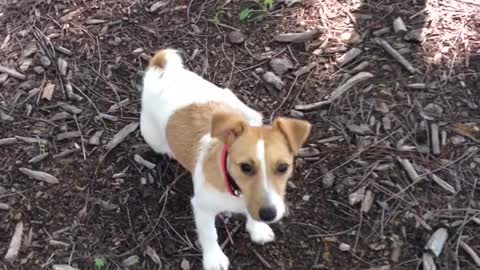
pixel 391 159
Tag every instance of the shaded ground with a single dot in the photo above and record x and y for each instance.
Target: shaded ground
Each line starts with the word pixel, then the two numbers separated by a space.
pixel 110 206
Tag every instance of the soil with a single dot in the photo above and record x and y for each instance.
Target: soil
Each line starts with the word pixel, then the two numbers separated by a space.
pixel 111 209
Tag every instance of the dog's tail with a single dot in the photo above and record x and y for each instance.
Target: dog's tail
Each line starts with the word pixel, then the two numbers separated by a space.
pixel 166 59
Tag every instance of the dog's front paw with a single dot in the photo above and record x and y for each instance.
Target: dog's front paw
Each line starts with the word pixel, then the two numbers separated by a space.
pixel 261 233
pixel 215 259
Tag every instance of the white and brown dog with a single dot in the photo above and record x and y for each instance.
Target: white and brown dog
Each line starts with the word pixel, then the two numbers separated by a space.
pixel 237 163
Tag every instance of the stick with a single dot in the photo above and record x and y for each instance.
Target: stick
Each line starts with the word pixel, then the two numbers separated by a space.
pixel 299 37
pixel 12 72
pixel 435 140
pixel 15 243
pixel 412 173
pixel 386 46
pixel 470 252
pixel 358 78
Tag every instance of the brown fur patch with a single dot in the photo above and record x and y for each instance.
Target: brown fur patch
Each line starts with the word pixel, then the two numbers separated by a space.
pixel 159 60
pixel 186 127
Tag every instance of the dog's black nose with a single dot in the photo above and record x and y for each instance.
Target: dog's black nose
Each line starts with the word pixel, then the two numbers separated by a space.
pixel 268 213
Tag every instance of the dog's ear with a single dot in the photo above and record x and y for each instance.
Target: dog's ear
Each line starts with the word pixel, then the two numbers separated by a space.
pixel 295 131
pixel 227 127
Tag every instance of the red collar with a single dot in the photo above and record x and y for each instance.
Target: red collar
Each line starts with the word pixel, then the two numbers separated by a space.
pixel 230 184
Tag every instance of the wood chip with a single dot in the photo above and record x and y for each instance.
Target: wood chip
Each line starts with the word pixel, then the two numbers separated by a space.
pixel 396 55
pixel 71 95
pixel 65 153
pixel 381 31
pixel 31 140
pixel 68 135
pixel 95 21
pixel 158 5
pixel 122 135
pixel 38 158
pixel 154 256
pixel 274 80
pixel 63 50
pixel 63 267
pixel 358 78
pixel 428 262
pixel 349 56
pixel 4 206
pixel 435 139
pixel 110 117
pixel 140 160
pixel 312 106
pixel 69 108
pixel 367 201
pixel 441 183
pixel 305 69
pixel 40 176
pixel 115 107
pixel 131 261
pixel 470 252
pixel 417 86
pixel 299 37
pixel 362 129
pixel 15 243
pixel 26 64
pixel 357 196
pixel 12 72
pixel 60 116
pixel 437 241
pixel 396 248
pixel 95 139
pixel 62 66
pixel 8 141
pixel 360 67
pixel 399 26
pixel 48 91
pixel 411 172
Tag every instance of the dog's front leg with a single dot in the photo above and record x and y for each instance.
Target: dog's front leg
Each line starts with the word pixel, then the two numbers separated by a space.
pixel 213 256
pixel 260 232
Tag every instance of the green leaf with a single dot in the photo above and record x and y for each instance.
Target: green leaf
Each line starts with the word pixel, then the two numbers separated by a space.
pixel 99 263
pixel 268 2
pixel 245 13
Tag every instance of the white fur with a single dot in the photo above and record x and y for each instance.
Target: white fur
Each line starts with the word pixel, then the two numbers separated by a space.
pixel 274 199
pixel 171 89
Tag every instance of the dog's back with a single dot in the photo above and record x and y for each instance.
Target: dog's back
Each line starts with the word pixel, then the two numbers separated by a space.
pixel 169 87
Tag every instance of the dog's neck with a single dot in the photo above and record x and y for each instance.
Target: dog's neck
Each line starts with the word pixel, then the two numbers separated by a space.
pixel 215 169
pixel 230 184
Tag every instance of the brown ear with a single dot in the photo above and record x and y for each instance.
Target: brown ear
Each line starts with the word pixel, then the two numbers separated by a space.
pixel 227 127
pixel 296 131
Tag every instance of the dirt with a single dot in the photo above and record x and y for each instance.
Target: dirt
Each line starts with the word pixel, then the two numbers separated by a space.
pixel 108 208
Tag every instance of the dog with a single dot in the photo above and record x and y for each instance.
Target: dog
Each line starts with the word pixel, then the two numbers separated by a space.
pixel 237 163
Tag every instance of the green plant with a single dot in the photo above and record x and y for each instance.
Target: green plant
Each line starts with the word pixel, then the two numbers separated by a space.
pixel 259 7
pixel 99 263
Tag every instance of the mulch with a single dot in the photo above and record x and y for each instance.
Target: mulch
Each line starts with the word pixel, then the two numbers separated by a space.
pixel 392 163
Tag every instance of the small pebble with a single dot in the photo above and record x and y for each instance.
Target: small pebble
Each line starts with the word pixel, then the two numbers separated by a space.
pixel 236 37
pixel 344 247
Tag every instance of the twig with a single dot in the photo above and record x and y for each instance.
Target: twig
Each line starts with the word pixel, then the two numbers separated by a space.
pixel 396 55
pixel 299 37
pixel 470 252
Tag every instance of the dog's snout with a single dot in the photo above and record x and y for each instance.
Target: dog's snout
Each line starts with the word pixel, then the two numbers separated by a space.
pixel 268 213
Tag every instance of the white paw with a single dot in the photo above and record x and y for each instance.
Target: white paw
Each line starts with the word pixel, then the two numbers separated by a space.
pixel 261 233
pixel 215 259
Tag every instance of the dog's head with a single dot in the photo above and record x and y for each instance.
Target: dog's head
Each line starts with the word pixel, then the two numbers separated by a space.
pixel 260 159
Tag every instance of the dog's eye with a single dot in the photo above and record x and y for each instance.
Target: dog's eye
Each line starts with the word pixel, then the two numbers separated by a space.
pixel 246 168
pixel 282 168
